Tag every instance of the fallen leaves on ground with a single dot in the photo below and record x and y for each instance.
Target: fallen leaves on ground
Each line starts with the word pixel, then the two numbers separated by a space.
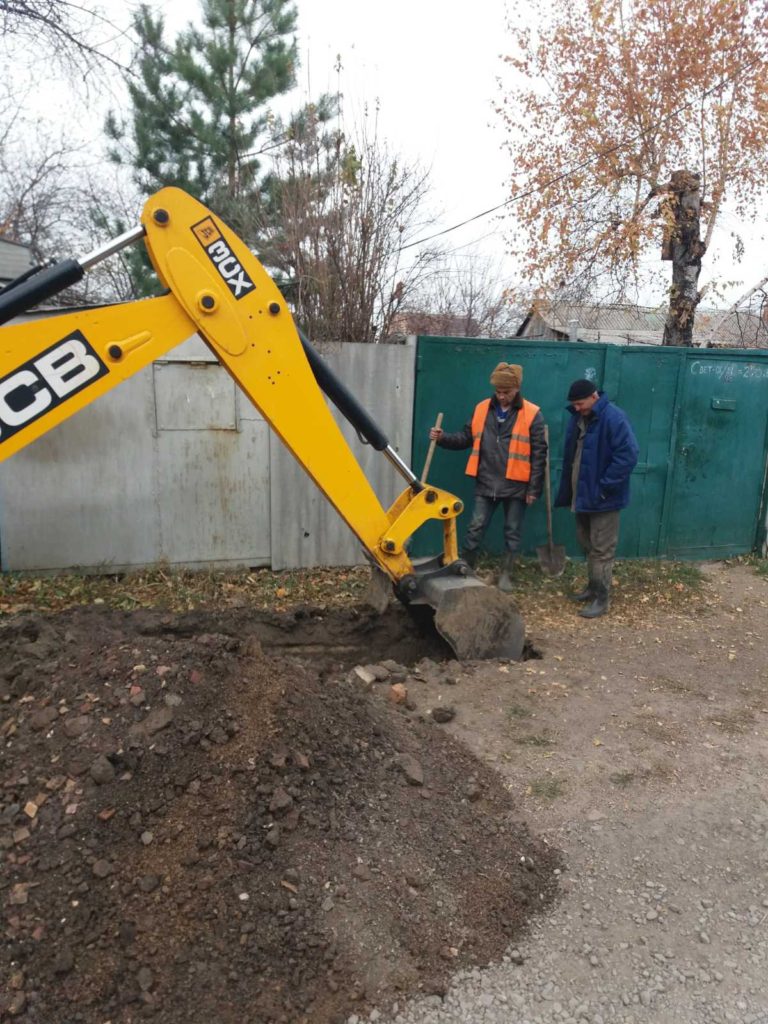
pixel 641 588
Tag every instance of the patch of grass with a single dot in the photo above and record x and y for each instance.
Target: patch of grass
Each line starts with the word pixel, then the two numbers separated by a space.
pixel 754 561
pixel 676 686
pixel 654 574
pixel 657 729
pixel 548 787
pixel 527 573
pixel 518 711
pixel 624 778
pixel 535 741
pixel 637 583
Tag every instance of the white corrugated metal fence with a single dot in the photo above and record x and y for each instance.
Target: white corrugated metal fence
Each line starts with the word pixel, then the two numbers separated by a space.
pixel 176 466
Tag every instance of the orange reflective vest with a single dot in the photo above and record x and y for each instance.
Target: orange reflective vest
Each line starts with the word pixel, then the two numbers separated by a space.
pixel 519 458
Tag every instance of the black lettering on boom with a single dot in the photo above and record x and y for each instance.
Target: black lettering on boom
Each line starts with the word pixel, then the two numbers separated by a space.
pixel 222 257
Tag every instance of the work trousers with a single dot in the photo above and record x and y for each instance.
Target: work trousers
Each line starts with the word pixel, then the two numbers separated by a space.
pixel 482 513
pixel 598 535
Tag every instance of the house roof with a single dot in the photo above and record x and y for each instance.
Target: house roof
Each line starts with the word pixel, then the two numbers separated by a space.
pixel 642 325
pixel 15 258
pixel 442 325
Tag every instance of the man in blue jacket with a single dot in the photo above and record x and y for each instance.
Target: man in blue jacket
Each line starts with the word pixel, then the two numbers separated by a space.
pixel 600 454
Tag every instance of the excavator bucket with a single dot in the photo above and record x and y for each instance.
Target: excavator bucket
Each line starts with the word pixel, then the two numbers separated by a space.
pixel 476 620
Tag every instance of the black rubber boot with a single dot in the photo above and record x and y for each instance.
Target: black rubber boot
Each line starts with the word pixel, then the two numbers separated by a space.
pixel 470 557
pixel 505 584
pixel 599 604
pixel 584 595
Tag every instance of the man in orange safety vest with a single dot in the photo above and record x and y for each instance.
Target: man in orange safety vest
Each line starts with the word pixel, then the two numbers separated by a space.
pixel 507 460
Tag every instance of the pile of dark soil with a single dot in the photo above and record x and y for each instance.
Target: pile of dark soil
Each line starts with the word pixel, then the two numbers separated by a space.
pixel 203 819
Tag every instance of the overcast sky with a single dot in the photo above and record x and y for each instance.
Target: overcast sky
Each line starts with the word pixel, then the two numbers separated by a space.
pixel 432 67
pixel 429 67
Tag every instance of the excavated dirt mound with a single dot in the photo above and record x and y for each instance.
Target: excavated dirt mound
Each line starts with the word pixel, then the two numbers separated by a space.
pixel 204 819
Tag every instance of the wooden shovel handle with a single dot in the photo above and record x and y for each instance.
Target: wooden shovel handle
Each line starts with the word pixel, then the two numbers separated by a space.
pixel 548 489
pixel 431 451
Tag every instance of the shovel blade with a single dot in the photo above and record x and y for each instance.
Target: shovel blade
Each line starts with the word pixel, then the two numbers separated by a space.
pixel 551 559
pixel 477 621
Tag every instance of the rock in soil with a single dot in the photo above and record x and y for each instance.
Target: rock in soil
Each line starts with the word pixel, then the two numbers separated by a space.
pixel 312 850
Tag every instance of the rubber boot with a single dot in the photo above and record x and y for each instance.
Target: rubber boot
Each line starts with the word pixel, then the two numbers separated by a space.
pixel 584 595
pixel 505 579
pixel 599 604
pixel 470 557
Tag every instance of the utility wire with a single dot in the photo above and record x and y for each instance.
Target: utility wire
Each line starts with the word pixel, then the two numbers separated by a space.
pixel 585 163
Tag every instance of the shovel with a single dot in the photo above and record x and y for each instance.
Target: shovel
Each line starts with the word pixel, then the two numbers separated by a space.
pixel 551 556
pixel 431 452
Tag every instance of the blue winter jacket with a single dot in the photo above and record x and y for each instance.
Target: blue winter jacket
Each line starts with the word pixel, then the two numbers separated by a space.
pixel 607 459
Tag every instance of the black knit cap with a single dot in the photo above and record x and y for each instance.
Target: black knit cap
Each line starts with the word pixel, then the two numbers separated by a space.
pixel 581 389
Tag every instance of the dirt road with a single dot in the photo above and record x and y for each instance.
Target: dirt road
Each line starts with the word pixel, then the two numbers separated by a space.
pixel 637 745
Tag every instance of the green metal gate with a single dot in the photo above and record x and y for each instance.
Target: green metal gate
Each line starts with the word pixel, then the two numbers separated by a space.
pixel 700 416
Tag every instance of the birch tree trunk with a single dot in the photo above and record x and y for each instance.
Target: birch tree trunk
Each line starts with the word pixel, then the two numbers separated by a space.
pixel 684 247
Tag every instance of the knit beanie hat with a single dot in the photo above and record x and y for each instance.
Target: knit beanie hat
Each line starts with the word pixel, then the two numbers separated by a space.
pixel 581 389
pixel 507 375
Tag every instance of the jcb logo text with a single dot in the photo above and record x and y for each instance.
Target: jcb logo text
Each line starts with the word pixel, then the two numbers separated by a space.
pixel 46 381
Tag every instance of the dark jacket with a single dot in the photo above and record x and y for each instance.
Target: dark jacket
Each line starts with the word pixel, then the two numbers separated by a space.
pixel 491 480
pixel 607 459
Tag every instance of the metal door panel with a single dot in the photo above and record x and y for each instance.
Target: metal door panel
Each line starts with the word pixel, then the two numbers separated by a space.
pixel 213 496
pixel 719 464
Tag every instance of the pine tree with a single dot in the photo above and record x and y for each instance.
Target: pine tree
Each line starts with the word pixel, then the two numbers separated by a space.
pixel 199 117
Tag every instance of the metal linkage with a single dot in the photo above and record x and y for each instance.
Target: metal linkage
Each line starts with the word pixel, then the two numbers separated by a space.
pixel 26 292
pixel 121 242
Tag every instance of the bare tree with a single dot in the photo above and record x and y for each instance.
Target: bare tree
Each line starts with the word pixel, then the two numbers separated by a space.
pixel 35 198
pixel 54 204
pixel 63 29
pixel 466 298
pixel 343 211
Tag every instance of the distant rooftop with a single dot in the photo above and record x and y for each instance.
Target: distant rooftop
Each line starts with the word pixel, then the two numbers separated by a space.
pixel 15 258
pixel 441 325
pixel 641 325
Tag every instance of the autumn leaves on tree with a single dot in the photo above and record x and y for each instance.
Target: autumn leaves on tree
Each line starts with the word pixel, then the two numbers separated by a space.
pixel 629 126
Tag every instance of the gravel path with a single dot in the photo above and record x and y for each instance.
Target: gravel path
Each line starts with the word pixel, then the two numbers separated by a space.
pixel 664 908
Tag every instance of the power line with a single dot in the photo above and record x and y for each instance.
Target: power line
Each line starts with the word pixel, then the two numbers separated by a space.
pixel 584 163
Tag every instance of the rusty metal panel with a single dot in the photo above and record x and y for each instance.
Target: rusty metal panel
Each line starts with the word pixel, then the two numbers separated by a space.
pixel 213 466
pixel 306 529
pixel 719 457
pixel 700 417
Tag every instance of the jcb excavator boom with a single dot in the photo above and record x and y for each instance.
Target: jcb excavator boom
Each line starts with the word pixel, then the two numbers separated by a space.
pixel 52 367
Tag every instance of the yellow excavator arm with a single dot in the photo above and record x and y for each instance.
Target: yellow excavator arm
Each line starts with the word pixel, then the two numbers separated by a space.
pixel 51 367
